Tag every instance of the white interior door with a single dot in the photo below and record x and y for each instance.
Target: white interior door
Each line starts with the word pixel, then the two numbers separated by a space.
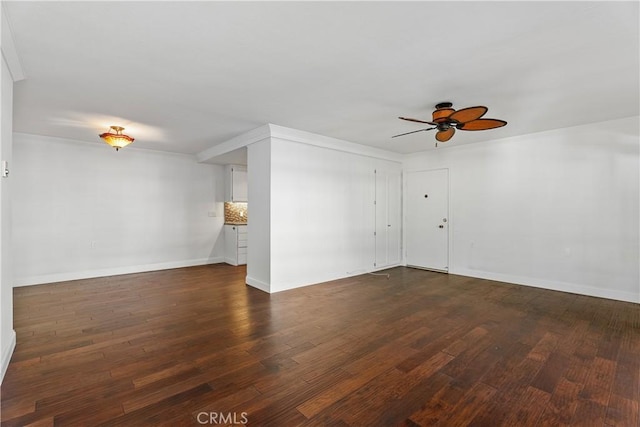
pixel 387 216
pixel 394 218
pixel 427 216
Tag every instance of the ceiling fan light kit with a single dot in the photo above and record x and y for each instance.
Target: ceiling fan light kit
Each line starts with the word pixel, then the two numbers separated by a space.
pixel 446 120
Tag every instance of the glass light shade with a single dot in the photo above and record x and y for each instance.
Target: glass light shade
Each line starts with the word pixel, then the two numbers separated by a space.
pixel 117 140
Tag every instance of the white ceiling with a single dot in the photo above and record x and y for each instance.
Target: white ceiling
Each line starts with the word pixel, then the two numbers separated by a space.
pixel 185 76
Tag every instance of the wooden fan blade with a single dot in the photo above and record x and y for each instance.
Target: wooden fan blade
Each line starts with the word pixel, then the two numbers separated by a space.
pixel 482 124
pixel 416 120
pixel 468 114
pixel 445 135
pixel 420 130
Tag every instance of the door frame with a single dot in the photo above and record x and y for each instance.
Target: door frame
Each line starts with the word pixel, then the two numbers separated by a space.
pixel 405 174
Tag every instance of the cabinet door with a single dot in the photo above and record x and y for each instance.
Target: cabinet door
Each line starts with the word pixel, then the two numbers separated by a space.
pixel 231 244
pixel 242 236
pixel 242 256
pixel 242 244
pixel 238 184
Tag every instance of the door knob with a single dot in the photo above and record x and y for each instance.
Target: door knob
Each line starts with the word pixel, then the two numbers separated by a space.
pixel 441 226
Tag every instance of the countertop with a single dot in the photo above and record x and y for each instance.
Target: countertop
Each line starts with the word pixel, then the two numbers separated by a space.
pixel 235 223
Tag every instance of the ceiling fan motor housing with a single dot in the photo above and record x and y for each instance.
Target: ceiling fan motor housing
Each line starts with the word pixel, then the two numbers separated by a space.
pixel 444 105
pixel 442 112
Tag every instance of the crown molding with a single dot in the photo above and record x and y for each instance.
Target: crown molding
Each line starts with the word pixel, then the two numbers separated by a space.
pixel 242 140
pixel 274 131
pixel 309 138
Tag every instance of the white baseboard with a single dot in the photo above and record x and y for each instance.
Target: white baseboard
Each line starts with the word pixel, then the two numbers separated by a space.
pixel 280 287
pixel 90 274
pixel 258 284
pixel 6 355
pixel 551 285
pixel 384 267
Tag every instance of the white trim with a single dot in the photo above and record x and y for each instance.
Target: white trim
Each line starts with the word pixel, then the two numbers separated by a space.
pixel 98 144
pixel 348 274
pixel 258 284
pixel 551 285
pixel 274 131
pixel 9 51
pixel 248 138
pixel 380 268
pixel 90 274
pixel 445 271
pixel 6 355
pixel 309 138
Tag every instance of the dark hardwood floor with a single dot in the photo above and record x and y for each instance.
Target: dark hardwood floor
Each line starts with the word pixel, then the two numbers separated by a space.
pixel 196 345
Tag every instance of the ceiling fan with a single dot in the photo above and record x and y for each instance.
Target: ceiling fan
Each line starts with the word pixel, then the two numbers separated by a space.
pixel 446 120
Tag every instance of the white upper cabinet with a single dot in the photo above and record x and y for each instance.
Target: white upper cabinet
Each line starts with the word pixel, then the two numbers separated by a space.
pixel 236 184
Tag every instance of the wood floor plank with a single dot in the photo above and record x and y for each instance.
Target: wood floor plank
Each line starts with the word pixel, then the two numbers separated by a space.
pixel 510 393
pixel 364 369
pixel 377 395
pixel 562 404
pixel 551 372
pixel 174 385
pixel 419 349
pixel 397 410
pixel 226 403
pixel 472 403
pixel 588 413
pixel 597 388
pixel 436 407
pixel 529 408
pixel 621 412
pixel 174 405
pixel 44 422
pixel 18 406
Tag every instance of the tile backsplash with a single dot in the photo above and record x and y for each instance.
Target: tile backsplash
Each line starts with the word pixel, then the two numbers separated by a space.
pixel 235 213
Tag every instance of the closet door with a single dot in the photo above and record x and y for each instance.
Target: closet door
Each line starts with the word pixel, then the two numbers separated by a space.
pixel 387 218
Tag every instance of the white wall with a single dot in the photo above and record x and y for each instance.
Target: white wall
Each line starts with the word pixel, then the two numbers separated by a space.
pixel 259 205
pixel 557 209
pixel 7 334
pixel 84 210
pixel 322 213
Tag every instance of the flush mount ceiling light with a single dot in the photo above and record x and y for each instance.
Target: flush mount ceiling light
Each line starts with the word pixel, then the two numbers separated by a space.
pixel 117 140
